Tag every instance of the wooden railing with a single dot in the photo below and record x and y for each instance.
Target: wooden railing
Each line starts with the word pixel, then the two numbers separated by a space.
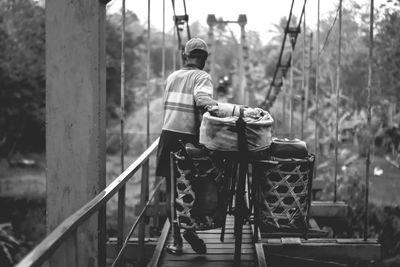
pixel 68 228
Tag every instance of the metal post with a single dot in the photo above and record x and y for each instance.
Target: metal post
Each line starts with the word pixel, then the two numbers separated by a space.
pixel 370 61
pixel 338 100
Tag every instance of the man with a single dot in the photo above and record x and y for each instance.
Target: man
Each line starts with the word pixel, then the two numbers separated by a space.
pixel 188 92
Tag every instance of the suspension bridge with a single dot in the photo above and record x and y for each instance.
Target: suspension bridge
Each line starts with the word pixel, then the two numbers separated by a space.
pixel 77 194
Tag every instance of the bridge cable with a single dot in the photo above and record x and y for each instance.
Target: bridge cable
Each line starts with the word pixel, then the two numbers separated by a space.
pixel 178 21
pixel 338 72
pixel 122 192
pixel 163 45
pixel 303 78
pixel 370 62
pixel 280 53
pixel 294 33
pixel 330 29
pixel 316 139
pixel 148 77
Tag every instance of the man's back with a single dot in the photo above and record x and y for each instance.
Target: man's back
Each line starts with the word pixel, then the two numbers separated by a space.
pixel 180 114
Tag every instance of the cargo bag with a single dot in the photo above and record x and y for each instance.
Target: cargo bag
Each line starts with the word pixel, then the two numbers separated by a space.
pixel 220 134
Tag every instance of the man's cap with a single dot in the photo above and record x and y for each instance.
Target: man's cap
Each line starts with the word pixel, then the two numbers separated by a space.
pixel 195 44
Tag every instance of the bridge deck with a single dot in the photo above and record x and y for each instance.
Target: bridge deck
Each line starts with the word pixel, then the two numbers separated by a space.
pixel 218 253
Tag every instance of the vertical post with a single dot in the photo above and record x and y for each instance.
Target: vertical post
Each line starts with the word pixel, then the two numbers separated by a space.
pixel 144 197
pixel 174 51
pixel 75 124
pixel 316 117
pixel 211 21
pixel 122 191
pixel 148 76
pixel 370 62
pixel 242 21
pixel 284 122
pixel 144 192
pixel 303 75
pixel 291 96
pixel 308 77
pixel 338 68
pixel 163 45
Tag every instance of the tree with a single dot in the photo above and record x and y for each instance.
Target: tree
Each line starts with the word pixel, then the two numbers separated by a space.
pixel 22 76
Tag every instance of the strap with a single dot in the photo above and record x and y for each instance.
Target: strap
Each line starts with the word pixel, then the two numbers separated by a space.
pixel 241 130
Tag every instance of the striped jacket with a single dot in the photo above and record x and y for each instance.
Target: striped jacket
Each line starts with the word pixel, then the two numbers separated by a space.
pixel 186 91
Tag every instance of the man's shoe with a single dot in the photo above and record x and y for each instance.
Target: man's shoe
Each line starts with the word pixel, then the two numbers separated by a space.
pixel 176 246
pixel 197 244
pixel 175 249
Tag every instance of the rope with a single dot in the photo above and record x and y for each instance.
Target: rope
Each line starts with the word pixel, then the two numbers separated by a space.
pixel 330 29
pixel 177 20
pixel 280 53
pixel 283 46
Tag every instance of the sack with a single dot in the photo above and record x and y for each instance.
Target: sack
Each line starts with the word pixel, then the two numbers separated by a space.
pixel 221 134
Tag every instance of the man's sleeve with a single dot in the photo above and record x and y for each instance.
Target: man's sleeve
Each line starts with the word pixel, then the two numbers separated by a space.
pixel 203 91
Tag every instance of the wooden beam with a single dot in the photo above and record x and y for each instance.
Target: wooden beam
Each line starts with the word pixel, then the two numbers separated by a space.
pixel 160 245
pixel 328 209
pixel 339 250
pixel 132 250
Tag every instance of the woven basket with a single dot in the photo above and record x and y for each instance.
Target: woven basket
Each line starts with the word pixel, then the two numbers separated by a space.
pixel 284 192
pixel 201 194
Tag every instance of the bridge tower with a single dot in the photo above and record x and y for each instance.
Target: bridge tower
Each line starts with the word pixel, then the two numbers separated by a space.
pixel 75 128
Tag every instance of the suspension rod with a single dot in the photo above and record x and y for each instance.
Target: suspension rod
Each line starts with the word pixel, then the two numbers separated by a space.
pixel 370 62
pixel 317 92
pixel 338 69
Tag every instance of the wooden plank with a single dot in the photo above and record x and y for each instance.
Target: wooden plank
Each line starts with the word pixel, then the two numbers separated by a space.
pixel 132 251
pixel 261 261
pixel 227 250
pixel 210 264
pixel 208 257
pixel 229 235
pixel 221 245
pixel 290 241
pixel 160 245
pixel 328 209
pixel 311 234
pixel 331 250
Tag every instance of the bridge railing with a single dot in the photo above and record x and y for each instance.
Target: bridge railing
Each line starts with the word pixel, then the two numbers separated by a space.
pixel 68 228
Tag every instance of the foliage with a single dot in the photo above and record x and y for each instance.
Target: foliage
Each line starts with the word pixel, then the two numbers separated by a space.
pixel 8 247
pixel 388 54
pixel 135 50
pixel 22 76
